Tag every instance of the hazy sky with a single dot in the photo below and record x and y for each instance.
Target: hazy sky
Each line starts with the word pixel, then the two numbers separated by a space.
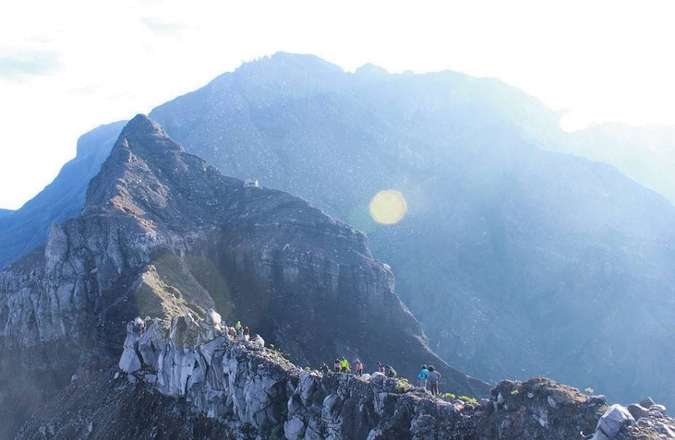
pixel 67 66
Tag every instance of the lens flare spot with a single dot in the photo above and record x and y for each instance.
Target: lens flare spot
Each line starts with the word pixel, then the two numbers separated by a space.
pixel 388 207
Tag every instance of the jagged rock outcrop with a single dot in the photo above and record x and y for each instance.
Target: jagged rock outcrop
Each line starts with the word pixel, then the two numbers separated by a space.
pixel 223 387
pixel 164 234
pixel 523 408
pixel 255 389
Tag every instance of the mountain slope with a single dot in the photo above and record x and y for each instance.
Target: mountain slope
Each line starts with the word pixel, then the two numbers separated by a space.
pixel 163 234
pixel 646 154
pixel 26 228
pixel 517 261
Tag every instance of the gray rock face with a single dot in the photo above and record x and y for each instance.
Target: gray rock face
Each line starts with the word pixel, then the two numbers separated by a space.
pixel 249 386
pixel 163 234
pixel 653 427
pixel 242 390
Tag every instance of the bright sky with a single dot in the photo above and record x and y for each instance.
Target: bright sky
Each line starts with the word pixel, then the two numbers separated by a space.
pixel 68 65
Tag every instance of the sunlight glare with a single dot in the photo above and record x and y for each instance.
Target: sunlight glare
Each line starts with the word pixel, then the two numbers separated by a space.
pixel 388 207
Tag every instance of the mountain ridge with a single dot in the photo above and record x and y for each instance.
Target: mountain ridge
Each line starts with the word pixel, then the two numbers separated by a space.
pixel 512 258
pixel 164 234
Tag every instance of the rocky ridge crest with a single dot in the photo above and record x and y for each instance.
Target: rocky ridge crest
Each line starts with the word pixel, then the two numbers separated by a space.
pixel 164 234
pixel 233 388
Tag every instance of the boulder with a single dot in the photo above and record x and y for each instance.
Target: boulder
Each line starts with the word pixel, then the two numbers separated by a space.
pixel 647 403
pixel 612 421
pixel 638 411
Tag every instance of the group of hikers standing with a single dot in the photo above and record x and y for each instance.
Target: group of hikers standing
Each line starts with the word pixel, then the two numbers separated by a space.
pixel 342 365
pixel 428 375
pixel 427 378
pixel 241 333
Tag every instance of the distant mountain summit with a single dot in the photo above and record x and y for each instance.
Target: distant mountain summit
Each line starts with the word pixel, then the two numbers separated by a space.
pixel 517 261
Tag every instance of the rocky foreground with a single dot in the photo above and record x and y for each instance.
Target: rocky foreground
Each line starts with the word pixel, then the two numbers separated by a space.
pixel 191 380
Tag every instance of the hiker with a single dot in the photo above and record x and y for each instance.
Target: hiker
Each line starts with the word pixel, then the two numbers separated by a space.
pixel 434 380
pixel 422 377
pixel 237 326
pixel 389 371
pixel 336 365
pixel 344 365
pixel 380 367
pixel 358 367
pixel 247 333
pixel 231 333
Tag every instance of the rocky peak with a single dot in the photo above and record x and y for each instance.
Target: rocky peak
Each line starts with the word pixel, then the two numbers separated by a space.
pixel 144 137
pixel 151 178
pixel 129 178
pixel 163 234
pixel 371 71
pixel 287 65
pixel 141 127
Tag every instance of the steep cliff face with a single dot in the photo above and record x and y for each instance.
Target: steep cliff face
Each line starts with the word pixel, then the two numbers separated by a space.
pixel 191 380
pixel 163 234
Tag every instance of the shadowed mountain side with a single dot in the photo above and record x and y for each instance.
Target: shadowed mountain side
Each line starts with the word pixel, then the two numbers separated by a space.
pixel 164 234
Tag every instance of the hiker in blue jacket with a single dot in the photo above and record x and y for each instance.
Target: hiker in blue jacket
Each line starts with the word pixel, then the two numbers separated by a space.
pixel 422 377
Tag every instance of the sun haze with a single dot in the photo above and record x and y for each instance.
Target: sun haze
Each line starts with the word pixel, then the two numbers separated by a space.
pixel 593 61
